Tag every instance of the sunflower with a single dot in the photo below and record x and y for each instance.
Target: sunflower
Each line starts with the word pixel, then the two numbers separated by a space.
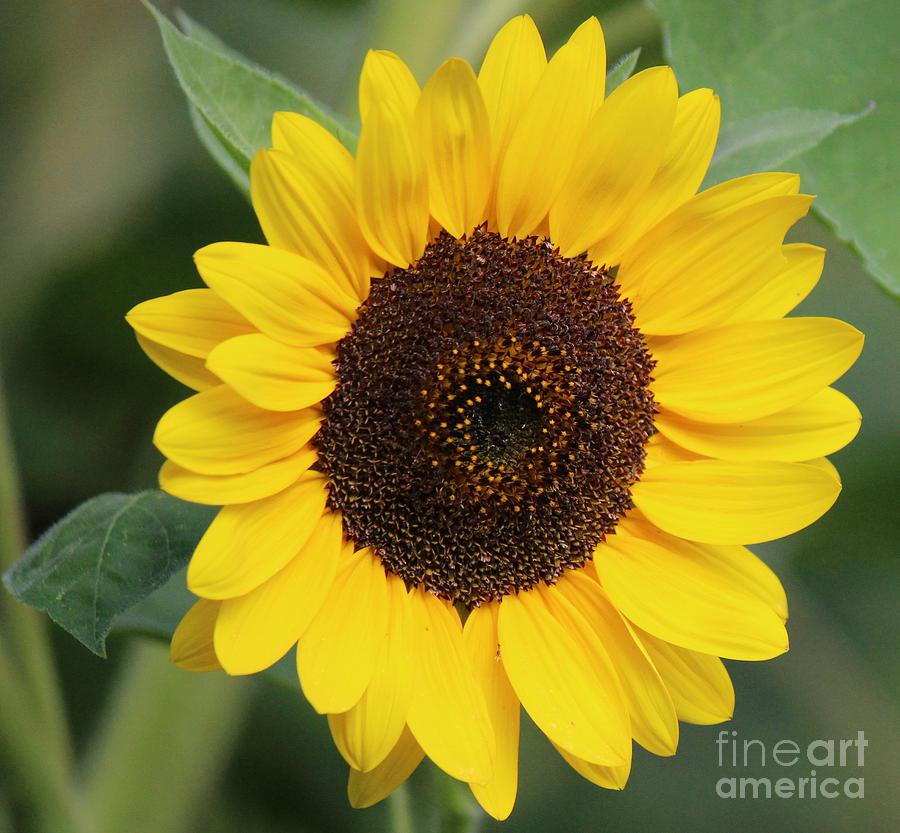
pixel 493 413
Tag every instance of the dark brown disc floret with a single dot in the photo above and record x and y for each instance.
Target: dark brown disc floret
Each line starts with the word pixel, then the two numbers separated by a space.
pixel 490 417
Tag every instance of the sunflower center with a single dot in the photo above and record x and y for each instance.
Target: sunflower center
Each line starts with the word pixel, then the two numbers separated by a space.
pixel 490 416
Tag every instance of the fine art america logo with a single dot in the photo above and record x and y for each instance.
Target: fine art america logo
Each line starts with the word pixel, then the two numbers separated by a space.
pixel 822 768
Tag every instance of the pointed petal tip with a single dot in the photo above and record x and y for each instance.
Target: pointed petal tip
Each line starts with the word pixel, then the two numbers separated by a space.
pixel 497 810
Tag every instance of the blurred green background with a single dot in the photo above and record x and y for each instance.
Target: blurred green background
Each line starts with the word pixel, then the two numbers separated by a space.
pixel 107 194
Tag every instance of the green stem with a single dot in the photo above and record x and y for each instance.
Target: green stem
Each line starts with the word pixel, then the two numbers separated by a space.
pixel 12 515
pixel 460 813
pixel 445 806
pixel 43 780
pixel 28 678
pixel 164 741
pixel 400 811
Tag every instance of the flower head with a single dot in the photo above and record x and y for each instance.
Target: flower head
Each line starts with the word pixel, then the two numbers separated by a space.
pixel 494 412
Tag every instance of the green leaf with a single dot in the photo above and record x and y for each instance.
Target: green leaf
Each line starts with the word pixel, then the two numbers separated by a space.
pixel 227 157
pixel 234 99
pixel 762 143
pixel 199 33
pixel 622 70
pixel 105 557
pixel 221 151
pixel 832 57
pixel 158 614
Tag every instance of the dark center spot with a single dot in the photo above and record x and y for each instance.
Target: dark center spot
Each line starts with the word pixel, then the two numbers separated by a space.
pixel 490 417
pixel 503 425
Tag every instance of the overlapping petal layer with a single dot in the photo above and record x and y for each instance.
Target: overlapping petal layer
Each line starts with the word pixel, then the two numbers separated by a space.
pixel 218 432
pixel 448 714
pixel 694 595
pixel 537 159
pixel 244 487
pixel 482 643
pixel 564 677
pixel 392 199
pixel 366 733
pixel 255 630
pixel 653 720
pixel 737 372
pixel 337 653
pixel 285 296
pixel 248 543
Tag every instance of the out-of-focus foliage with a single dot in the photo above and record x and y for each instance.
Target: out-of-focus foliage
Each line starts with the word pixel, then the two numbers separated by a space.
pixel 835 57
pixel 763 142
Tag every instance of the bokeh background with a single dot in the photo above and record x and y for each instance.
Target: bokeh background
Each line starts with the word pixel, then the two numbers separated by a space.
pixel 106 194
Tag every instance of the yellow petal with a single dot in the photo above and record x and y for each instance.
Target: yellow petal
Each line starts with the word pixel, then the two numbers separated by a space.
pixel 653 720
pixel 222 489
pixel 662 451
pixel 456 143
pixel 392 186
pixel 826 467
pixel 385 78
pixel 563 677
pixel 704 209
pixel 696 276
pixel 786 288
pixel 729 196
pixel 511 69
pixel 192 643
pixel 304 202
pixel 820 425
pixel 192 321
pixel 543 145
pixel 686 159
pixel 249 543
pixel 698 683
pixel 257 629
pixel 337 653
pixel 732 502
pixel 325 178
pixel 367 788
pixel 704 598
pixel 735 565
pixel 448 714
pixel 622 147
pixel 286 296
pixel 498 796
pixel 306 139
pixel 219 432
pixel 367 733
pixel 739 372
pixel 608 777
pixel 272 375
pixel 189 370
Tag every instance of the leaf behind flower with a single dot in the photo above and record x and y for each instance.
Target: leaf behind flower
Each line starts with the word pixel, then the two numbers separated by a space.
pixel 106 556
pixel 231 98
